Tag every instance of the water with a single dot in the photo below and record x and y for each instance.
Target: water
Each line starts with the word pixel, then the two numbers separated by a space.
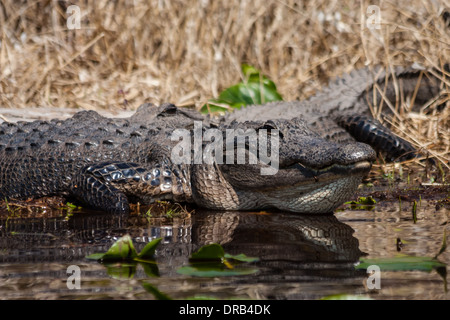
pixel 301 257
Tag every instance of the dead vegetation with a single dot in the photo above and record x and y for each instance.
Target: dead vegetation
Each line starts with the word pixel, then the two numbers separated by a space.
pixel 185 52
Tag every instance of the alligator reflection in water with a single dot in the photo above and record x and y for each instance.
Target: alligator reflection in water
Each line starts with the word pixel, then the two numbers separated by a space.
pixel 290 247
pixel 58 239
pixel 285 237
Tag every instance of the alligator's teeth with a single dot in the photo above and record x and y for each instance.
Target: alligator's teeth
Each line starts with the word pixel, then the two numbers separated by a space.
pixel 362 165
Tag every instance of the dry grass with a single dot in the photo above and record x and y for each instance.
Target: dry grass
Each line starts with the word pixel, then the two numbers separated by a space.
pixel 186 52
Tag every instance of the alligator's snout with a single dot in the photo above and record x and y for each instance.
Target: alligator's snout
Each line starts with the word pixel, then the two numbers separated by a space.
pixel 317 153
pixel 349 159
pixel 354 153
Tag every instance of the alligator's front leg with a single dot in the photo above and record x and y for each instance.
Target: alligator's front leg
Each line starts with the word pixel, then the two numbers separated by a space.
pixel 109 186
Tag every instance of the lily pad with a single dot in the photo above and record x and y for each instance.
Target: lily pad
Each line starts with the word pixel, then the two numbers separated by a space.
pixel 121 259
pixel 215 251
pixel 95 256
pixel 402 263
pixel 212 261
pixel 212 251
pixel 126 270
pixel 148 251
pixel 214 270
pixel 241 258
pixel 123 250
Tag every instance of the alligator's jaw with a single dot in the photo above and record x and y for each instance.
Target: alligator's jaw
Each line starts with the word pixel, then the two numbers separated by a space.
pixel 322 193
pixel 321 197
pixel 318 193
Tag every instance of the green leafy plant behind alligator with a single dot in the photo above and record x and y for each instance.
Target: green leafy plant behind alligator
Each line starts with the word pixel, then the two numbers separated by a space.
pixel 107 163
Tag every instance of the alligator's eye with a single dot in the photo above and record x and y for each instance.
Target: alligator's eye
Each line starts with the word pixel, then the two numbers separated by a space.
pixel 169 109
pixel 270 126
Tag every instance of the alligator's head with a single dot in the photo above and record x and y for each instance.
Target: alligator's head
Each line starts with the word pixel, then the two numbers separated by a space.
pixel 312 175
pixel 166 115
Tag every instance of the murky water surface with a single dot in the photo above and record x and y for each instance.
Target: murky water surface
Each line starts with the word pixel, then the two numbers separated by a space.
pixel 301 257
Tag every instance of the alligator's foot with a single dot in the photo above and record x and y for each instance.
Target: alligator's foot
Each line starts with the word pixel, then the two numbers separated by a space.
pixel 370 131
pixel 92 189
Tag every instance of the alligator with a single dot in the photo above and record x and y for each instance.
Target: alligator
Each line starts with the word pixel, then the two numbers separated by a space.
pixel 343 111
pixel 108 163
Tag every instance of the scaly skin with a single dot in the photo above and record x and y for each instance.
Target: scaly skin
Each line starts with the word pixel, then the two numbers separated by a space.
pixel 106 162
pixel 342 112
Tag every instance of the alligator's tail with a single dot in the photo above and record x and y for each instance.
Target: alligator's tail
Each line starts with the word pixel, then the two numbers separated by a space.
pixel 415 82
pixel 386 89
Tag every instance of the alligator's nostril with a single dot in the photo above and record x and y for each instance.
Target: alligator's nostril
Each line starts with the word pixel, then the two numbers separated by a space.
pixel 355 152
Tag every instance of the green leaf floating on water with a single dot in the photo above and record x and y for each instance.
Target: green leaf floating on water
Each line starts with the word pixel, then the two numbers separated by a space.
pixel 123 250
pixel 214 270
pixel 402 263
pixel 95 256
pixel 241 258
pixel 255 89
pixel 121 259
pixel 212 261
pixel 209 252
pixel 148 252
pixel 215 251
